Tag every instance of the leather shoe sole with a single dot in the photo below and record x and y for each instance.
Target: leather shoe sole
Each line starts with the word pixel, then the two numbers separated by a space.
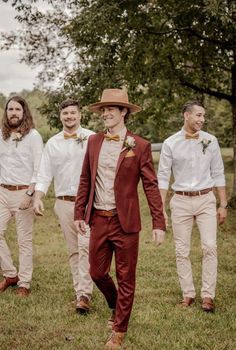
pixel 83 306
pixel 22 292
pixel 8 282
pixel 186 302
pixel 208 305
pixel 115 340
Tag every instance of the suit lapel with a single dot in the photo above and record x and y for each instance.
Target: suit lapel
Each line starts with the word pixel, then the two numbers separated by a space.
pixel 96 151
pixel 123 153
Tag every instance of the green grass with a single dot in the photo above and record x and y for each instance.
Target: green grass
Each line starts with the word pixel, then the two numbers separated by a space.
pixel 47 319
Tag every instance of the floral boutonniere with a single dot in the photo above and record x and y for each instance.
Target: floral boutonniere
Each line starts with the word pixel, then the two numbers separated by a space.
pixel 205 143
pixel 81 138
pixel 129 142
pixel 16 136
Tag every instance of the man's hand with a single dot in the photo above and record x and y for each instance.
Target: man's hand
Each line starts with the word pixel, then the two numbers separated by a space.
pixel 158 236
pixel 221 215
pixel 38 207
pixel 25 203
pixel 81 227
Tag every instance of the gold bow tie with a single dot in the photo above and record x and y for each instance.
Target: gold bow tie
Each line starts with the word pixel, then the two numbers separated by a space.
pixel 16 135
pixel 112 138
pixel 192 137
pixel 70 136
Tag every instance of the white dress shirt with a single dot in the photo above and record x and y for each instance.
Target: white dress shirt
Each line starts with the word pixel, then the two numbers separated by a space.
pixel 62 160
pixel 19 160
pixel 193 170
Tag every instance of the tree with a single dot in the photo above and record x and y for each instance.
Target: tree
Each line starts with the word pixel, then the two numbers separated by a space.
pixel 2 100
pixel 163 52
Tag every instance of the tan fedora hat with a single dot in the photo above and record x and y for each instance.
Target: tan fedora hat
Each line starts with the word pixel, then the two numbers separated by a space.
pixel 114 97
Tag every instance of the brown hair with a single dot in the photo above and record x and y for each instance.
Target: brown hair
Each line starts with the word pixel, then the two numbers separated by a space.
pixel 187 107
pixel 27 121
pixel 126 117
pixel 68 103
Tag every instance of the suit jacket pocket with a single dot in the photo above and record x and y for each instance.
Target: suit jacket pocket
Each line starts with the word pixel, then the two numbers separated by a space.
pixel 130 154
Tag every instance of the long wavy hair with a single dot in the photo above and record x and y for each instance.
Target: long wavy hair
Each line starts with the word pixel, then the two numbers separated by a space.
pixel 27 121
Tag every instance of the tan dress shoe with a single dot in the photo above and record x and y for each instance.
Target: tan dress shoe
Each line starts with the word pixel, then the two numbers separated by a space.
pixel 186 302
pixel 83 305
pixel 115 340
pixel 208 305
pixel 22 292
pixel 111 320
pixel 8 282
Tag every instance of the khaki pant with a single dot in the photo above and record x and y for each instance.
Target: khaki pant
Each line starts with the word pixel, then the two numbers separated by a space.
pixel 9 207
pixel 184 210
pixel 78 249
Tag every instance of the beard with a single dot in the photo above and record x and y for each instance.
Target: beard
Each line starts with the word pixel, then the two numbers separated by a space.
pixel 14 122
pixel 70 125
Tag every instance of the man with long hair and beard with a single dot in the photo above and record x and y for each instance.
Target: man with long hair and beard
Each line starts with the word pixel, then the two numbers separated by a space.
pixel 20 153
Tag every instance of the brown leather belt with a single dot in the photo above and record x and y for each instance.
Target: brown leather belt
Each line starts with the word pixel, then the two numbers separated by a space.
pixel 15 187
pixel 67 198
pixel 107 213
pixel 194 193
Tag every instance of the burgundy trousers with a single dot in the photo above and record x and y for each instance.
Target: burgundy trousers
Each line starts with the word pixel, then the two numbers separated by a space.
pixel 107 237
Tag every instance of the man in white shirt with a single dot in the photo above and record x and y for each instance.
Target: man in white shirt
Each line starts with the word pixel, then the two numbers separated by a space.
pixel 20 152
pixel 62 160
pixel 194 157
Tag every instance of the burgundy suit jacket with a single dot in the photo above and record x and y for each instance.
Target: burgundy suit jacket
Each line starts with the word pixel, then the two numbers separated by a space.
pixel 128 173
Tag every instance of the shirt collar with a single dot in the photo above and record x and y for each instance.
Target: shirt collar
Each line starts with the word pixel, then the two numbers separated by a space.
pixel 183 132
pixel 78 131
pixel 121 133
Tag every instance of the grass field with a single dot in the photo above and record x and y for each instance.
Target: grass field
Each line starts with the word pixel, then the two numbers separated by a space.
pixel 47 319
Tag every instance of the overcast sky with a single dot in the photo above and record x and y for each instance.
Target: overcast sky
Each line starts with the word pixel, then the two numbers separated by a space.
pixel 14 76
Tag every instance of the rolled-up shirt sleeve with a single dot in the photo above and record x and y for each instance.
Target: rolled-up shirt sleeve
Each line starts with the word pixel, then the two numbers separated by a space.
pixel 45 175
pixel 164 168
pixel 217 166
pixel 36 145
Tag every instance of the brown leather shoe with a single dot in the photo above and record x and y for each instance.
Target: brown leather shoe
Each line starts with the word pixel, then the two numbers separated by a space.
pixel 111 320
pixel 186 302
pixel 8 282
pixel 83 305
pixel 22 292
pixel 115 340
pixel 208 305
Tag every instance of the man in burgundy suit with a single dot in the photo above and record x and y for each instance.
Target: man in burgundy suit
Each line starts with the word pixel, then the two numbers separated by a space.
pixel 107 200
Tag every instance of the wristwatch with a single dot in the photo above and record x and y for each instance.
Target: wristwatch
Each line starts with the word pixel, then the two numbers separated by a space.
pixel 30 193
pixel 224 206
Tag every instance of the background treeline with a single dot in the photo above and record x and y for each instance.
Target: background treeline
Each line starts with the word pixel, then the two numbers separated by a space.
pixel 218 119
pixel 163 52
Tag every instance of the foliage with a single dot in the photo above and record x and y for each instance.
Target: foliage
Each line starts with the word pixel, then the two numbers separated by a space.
pixel 2 101
pixel 162 52
pixel 219 121
pixel 153 49
pixel 47 319
pixel 36 100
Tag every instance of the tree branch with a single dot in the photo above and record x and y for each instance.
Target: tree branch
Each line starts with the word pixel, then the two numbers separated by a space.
pixel 201 89
pixel 205 90
pixel 225 44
